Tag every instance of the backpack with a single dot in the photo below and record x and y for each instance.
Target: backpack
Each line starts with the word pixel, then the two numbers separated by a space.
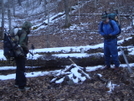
pixel 8 47
pixel 112 16
pixel 12 48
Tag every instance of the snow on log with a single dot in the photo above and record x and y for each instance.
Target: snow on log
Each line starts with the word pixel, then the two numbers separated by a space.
pixel 72 74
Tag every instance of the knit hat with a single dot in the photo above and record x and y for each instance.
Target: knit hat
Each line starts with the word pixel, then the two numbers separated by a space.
pixel 104 16
pixel 26 25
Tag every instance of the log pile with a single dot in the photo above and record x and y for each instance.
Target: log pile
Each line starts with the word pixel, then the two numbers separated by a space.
pixel 72 74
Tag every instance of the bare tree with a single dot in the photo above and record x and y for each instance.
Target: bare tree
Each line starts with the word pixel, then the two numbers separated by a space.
pixel 118 11
pixel 9 16
pixel 45 9
pixel 132 17
pixel 95 3
pixel 79 11
pixel 2 23
pixel 19 2
pixel 13 5
pixel 40 1
pixel 67 20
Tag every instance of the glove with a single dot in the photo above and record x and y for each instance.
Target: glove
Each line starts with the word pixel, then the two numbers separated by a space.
pixel 110 35
pixel 105 36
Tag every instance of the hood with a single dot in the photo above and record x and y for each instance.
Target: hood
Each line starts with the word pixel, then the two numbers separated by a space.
pixel 26 25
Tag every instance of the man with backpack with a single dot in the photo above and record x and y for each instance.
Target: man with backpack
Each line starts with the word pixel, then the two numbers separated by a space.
pixel 22 36
pixel 109 29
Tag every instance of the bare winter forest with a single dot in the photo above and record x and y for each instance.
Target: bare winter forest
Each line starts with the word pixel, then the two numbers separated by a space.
pixel 49 28
pixel 84 17
pixel 60 23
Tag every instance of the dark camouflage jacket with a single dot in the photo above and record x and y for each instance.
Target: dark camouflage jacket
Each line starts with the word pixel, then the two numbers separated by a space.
pixel 23 40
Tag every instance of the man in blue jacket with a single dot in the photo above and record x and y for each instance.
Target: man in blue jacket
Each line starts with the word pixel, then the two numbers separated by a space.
pixel 109 29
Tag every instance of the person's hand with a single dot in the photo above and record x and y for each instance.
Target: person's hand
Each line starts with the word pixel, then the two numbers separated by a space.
pixel 105 36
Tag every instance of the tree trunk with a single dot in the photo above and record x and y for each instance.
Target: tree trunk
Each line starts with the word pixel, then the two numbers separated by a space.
pixel 67 19
pixel 48 19
pixel 58 62
pixel 9 16
pixel 19 2
pixel 2 27
pixel 132 17
pixel 45 9
pixel 13 4
pixel 79 12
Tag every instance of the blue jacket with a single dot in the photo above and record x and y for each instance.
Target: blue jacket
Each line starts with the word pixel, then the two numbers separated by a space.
pixel 106 29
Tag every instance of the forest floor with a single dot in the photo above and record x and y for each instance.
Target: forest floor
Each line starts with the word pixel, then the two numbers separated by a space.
pixel 91 90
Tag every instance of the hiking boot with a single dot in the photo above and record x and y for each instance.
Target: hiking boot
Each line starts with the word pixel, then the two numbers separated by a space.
pixel 107 67
pixel 116 69
pixel 24 89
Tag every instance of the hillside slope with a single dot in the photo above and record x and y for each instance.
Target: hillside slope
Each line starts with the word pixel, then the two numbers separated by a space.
pixel 85 17
pixel 84 28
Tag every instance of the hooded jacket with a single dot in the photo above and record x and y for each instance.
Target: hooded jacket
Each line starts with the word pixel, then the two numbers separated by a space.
pixel 23 41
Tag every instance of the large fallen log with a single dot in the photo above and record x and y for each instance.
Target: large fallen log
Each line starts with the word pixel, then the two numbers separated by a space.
pixel 91 57
pixel 58 62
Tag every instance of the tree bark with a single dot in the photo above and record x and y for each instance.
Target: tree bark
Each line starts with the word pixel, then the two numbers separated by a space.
pixel 13 5
pixel 19 2
pixel 9 16
pixel 2 27
pixel 67 19
pixel 45 8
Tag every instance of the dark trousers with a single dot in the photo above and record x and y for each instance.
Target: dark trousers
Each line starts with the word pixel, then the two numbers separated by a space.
pixel 110 51
pixel 20 72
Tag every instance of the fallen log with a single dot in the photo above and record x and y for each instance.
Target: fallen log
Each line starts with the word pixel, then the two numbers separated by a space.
pixel 59 62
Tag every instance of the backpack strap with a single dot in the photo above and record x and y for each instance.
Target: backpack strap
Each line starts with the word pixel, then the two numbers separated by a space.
pixel 111 24
pixel 101 26
pixel 19 33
